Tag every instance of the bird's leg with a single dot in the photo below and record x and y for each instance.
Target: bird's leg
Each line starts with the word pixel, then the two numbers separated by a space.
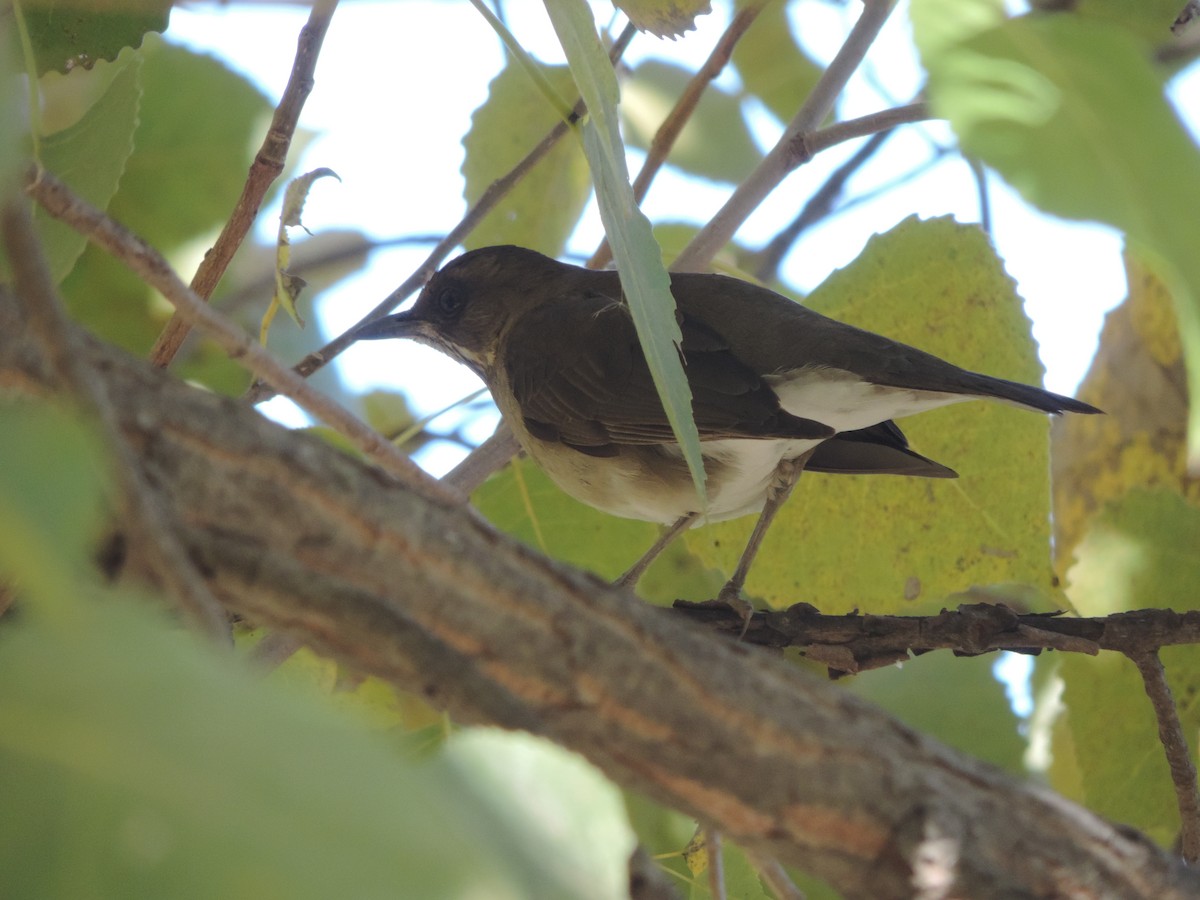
pixel 787 473
pixel 630 578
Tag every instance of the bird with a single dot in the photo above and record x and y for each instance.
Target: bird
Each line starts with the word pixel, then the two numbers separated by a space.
pixel 777 389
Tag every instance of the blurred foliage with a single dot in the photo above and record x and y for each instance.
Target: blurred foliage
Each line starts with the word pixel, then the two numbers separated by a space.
pixel 134 759
pixel 1073 113
pixel 67 35
pixel 901 545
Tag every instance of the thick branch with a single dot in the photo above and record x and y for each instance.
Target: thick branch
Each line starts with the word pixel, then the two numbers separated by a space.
pixel 151 530
pixel 301 538
pixel 267 166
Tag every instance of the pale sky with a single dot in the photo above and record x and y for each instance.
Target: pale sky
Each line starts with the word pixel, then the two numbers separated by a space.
pixel 396 86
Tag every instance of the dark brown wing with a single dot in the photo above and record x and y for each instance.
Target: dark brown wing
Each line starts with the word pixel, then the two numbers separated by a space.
pixel 581 379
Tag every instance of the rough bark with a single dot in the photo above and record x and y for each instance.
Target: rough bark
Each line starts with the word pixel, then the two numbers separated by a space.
pixel 298 536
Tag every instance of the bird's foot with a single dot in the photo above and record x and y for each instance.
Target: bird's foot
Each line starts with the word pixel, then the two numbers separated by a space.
pixel 731 596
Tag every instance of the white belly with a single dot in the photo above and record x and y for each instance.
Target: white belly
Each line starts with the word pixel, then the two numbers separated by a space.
pixel 655 486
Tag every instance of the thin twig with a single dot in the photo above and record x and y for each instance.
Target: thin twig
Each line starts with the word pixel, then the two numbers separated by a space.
pixel 855 643
pixel 146 262
pixel 274 650
pixel 776 164
pixel 668 132
pixel 819 205
pixel 776 877
pixel 805 147
pixel 151 528
pixel 487 201
pixel 267 166
pixel 981 186
pixel 488 457
pixel 879 126
pixel 716 864
pixel 1175 745
pixel 892 184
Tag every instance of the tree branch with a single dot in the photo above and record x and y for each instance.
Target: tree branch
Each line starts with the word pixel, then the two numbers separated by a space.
pixel 668 132
pixel 1179 757
pixel 495 192
pixel 306 540
pixel 779 162
pixel 267 166
pixel 857 643
pixel 151 530
pixel 148 264
pixel 819 205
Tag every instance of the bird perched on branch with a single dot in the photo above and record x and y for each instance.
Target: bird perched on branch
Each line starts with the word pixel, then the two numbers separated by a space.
pixel 776 388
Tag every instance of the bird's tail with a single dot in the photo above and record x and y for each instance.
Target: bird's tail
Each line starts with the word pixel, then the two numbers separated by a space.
pixel 1027 396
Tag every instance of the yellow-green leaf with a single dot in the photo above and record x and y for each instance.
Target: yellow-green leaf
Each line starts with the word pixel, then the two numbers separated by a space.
pixel 1071 111
pixel 90 156
pixel 772 65
pixel 892 544
pixel 542 210
pixel 1139 553
pixel 714 144
pixel 664 18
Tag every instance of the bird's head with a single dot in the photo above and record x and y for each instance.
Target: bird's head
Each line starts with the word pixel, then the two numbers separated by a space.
pixel 466 306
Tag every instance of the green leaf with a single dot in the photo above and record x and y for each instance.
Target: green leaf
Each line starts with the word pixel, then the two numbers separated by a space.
pixel 67 34
pixel 51 486
pixel 13 102
pixel 554 793
pixel 1148 19
pixel 663 18
pixel 180 184
pixel 503 130
pixel 741 879
pixel 190 161
pixel 639 260
pixel 889 544
pixel 1139 553
pixel 714 144
pixel 136 763
pixel 1071 112
pixel 523 502
pixel 940 25
pixel 956 700
pixel 91 157
pixel 772 65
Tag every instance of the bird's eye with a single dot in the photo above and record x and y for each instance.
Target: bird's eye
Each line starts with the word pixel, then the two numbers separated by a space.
pixel 450 302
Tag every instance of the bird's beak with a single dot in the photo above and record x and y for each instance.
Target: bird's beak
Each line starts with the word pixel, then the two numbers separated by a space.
pixel 401 325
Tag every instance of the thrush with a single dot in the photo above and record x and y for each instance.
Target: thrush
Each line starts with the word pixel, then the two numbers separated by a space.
pixel 776 388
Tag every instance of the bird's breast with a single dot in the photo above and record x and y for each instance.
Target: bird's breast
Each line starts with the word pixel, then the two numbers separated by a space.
pixel 653 484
